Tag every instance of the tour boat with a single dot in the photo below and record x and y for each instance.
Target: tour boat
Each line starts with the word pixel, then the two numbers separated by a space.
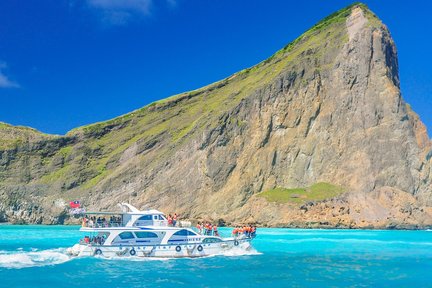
pixel 147 234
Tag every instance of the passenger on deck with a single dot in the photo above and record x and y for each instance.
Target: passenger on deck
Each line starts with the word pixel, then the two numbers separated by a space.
pixel 198 226
pixel 207 228
pixel 247 231
pixel 253 232
pixel 174 219
pixel 117 221
pixel 234 232
pixel 215 230
pixel 239 231
pixel 170 220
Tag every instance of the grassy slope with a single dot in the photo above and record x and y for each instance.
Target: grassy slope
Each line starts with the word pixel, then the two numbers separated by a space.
pixel 11 136
pixel 316 192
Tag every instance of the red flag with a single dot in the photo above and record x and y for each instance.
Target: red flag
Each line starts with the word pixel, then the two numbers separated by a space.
pixel 75 204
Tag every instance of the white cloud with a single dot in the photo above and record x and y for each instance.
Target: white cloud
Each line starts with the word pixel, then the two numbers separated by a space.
pixel 120 12
pixel 140 6
pixel 5 82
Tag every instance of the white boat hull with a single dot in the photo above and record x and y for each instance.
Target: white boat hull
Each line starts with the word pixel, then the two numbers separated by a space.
pixel 160 251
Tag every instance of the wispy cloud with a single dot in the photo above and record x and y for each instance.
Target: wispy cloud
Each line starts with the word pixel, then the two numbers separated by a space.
pixel 121 12
pixel 5 82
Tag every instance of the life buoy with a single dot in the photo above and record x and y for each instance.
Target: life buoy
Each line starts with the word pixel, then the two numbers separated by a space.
pixel 178 248
pixel 236 243
pixel 200 248
pixel 98 252
pixel 132 252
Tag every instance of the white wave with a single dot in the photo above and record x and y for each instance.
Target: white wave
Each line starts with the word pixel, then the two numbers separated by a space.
pixel 134 258
pixel 22 259
pixel 239 252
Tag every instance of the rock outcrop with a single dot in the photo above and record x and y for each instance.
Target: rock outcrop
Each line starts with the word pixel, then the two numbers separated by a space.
pixel 326 108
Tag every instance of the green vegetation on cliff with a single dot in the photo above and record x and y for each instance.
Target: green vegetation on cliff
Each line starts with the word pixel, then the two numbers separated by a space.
pixel 11 136
pixel 316 192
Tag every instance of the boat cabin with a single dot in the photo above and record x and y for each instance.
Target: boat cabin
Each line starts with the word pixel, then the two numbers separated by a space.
pixel 129 217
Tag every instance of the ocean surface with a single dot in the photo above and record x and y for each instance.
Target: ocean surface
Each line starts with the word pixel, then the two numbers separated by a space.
pixel 34 256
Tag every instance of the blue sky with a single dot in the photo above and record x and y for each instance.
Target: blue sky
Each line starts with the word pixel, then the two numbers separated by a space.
pixel 67 63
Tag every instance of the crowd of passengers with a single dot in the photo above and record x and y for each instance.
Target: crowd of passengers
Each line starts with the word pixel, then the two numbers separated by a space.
pixel 207 229
pixel 248 230
pixel 172 220
pixel 96 240
pixel 101 222
pixel 210 229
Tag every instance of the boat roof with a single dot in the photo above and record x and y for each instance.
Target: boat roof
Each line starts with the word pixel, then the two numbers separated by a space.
pixel 153 212
pixel 125 207
pixel 104 213
pixel 131 228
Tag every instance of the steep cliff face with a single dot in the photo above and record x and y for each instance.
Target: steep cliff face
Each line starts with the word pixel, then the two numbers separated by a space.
pixel 326 108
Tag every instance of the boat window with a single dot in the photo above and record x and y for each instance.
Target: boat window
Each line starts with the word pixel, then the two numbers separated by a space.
pixel 155 217
pixel 211 240
pixel 126 235
pixel 146 217
pixel 184 232
pixel 161 218
pixel 146 235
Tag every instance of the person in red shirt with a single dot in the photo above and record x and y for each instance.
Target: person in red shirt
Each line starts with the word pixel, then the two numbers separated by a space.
pixel 215 230
pixel 234 232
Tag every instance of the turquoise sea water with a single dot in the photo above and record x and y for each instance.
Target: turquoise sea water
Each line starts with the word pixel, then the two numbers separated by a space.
pixel 33 256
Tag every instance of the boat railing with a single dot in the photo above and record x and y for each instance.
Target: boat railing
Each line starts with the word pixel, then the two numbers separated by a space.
pixel 90 224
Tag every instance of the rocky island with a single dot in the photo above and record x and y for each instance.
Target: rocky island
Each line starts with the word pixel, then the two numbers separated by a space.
pixel 317 135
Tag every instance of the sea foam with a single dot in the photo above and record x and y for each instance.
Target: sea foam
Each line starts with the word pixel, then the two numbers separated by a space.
pixel 24 259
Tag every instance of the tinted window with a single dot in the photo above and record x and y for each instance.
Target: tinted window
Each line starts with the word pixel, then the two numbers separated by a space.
pixel 146 235
pixel 146 217
pixel 184 232
pixel 211 240
pixel 126 235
